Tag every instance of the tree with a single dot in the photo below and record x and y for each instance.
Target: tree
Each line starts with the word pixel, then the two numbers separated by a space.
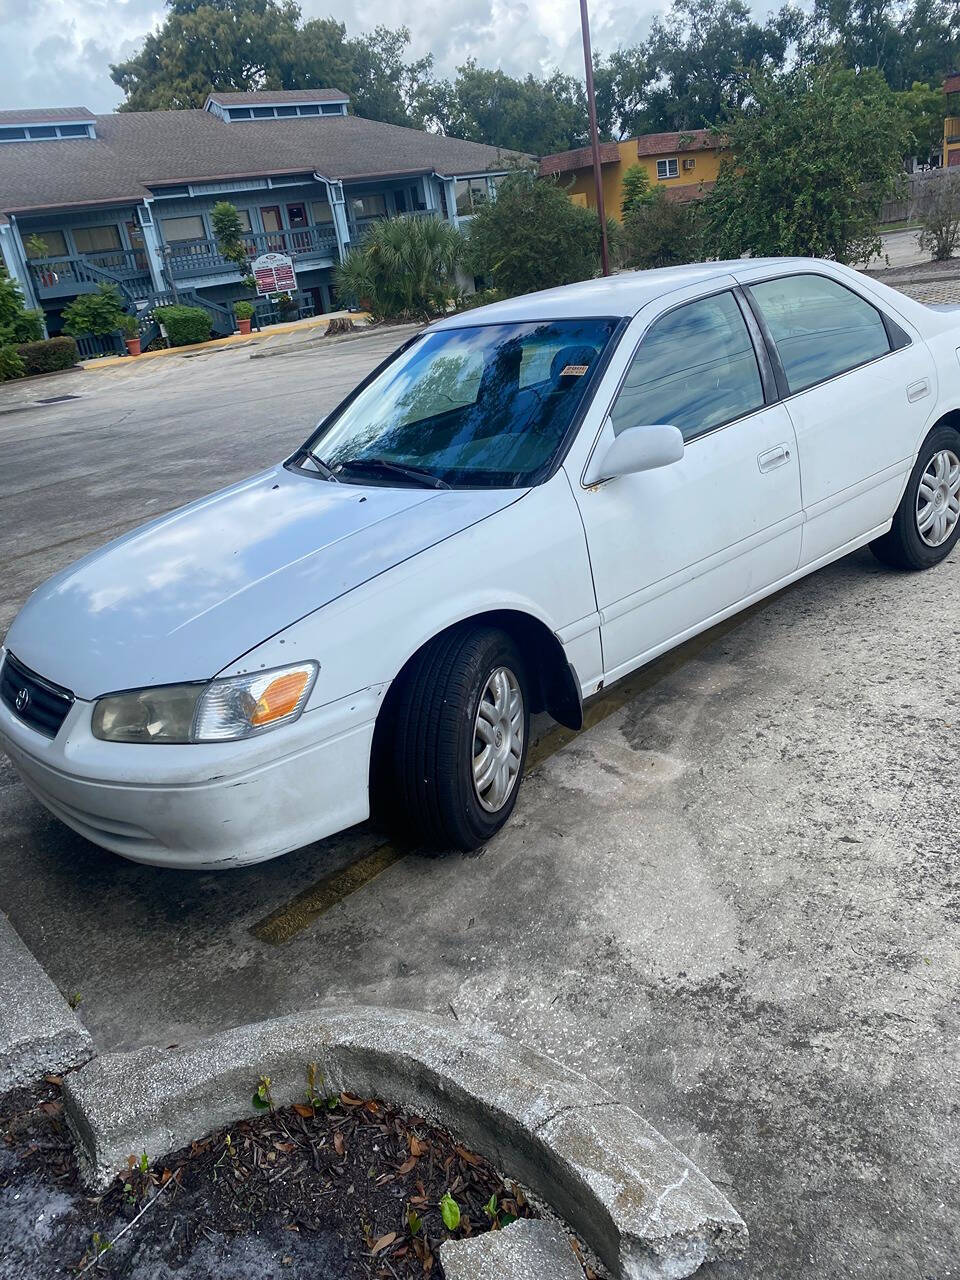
pixel 533 237
pixel 228 232
pixel 940 230
pixel 810 158
pixel 924 107
pixel 636 189
pixel 531 115
pixel 99 313
pixel 404 268
pixel 660 232
pixel 17 324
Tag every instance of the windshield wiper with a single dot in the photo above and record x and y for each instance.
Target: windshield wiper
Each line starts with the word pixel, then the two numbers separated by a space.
pixel 379 466
pixel 321 466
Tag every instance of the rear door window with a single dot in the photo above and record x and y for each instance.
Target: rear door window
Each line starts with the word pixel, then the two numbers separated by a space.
pixel 820 327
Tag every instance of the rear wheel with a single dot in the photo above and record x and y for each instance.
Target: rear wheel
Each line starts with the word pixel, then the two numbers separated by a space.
pixel 927 523
pixel 457 740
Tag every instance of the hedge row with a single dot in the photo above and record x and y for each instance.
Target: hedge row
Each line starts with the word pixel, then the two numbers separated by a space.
pixel 46 356
pixel 184 325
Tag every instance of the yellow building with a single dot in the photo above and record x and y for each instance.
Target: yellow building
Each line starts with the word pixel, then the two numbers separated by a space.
pixel 951 125
pixel 684 164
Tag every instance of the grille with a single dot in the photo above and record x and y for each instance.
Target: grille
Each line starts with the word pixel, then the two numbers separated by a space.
pixel 42 706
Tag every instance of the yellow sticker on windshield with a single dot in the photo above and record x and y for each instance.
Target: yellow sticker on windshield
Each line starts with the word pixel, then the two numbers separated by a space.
pixel 574 370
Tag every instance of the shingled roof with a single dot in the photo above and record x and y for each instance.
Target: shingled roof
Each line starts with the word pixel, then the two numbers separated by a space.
pixel 135 152
pixel 252 97
pixel 580 158
pixel 44 115
pixel 665 144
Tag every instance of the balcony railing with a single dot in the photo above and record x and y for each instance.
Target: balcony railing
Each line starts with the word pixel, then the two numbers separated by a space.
pixel 67 276
pixel 359 226
pixel 191 258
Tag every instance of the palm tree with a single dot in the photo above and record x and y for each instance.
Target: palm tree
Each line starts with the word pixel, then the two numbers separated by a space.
pixel 403 268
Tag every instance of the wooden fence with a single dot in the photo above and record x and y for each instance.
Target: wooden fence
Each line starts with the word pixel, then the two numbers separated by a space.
pixel 918 191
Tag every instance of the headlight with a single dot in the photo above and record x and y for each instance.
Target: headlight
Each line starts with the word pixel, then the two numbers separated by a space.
pixel 221 711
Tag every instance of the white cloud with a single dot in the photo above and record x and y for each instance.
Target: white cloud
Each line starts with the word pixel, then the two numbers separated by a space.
pixel 58 52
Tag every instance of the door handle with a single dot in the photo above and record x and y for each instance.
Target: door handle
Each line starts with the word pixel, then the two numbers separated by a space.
pixel 917 390
pixel 778 456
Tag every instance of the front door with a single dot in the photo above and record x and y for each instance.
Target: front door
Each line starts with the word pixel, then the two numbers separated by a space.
pixel 674 548
pixel 270 216
pixel 859 392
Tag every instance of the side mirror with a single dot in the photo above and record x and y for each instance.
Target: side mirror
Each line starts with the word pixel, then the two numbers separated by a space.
pixel 636 449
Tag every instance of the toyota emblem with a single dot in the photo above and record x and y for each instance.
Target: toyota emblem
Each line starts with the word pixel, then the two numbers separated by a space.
pixel 21 700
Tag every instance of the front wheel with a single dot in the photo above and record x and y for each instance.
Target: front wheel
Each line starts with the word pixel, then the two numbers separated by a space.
pixel 927 522
pixel 458 740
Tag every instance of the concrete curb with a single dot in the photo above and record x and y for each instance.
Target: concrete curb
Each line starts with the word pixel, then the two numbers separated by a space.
pixel 325 343
pixel 638 1203
pixel 39 1032
pixel 527 1250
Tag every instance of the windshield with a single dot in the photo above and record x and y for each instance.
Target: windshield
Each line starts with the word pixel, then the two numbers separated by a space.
pixel 486 406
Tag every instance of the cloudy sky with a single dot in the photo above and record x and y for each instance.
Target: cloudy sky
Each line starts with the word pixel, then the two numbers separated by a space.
pixel 57 52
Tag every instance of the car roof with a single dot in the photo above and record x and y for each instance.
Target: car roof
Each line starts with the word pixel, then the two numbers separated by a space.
pixel 623 294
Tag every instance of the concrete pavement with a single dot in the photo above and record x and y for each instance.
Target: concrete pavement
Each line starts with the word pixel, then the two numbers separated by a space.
pixel 733 901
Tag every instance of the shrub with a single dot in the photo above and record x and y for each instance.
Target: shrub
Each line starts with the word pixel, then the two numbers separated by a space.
pixel 11 366
pixel 100 313
pixel 244 310
pixel 228 232
pixel 533 237
pixel 661 233
pixel 404 267
pixel 940 224
pixel 48 356
pixel 129 326
pixel 184 325
pixel 17 324
pixel 636 189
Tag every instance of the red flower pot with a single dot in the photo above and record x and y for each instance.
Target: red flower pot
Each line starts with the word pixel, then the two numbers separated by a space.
pixel 243 326
pixel 133 346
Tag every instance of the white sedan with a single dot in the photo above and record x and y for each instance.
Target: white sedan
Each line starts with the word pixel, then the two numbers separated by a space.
pixel 523 504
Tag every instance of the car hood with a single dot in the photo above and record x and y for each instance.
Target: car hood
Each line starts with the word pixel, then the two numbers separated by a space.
pixel 182 597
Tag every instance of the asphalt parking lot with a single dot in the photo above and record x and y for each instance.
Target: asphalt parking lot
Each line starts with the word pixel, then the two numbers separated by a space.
pixel 733 900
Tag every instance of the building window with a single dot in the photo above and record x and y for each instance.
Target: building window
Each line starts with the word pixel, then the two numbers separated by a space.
pixel 667 168
pixel 368 207
pixel 73 131
pixel 320 211
pixel 310 109
pixel 471 193
pixel 239 113
pixel 331 109
pixel 261 113
pixel 55 244
pixel 244 216
pixel 43 131
pixel 97 239
pixel 175 229
pixel 12 135
pixel 286 111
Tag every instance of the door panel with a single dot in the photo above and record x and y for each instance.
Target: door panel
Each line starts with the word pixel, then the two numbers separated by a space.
pixel 673 547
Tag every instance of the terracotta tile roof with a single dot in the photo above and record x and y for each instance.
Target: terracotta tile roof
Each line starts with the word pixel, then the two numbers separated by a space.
pixel 135 151
pixel 581 158
pixel 662 144
pixel 952 83
pixel 44 115
pixel 273 96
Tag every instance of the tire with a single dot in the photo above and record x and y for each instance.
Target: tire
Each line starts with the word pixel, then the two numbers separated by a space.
pixel 905 546
pixel 425 769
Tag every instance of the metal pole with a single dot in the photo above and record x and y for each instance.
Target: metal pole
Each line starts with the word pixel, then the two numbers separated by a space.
pixel 594 135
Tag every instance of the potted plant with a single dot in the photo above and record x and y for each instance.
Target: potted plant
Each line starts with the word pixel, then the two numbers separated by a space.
pixel 130 328
pixel 244 314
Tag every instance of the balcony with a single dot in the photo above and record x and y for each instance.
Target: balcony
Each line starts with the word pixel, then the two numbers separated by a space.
pixel 66 277
pixel 194 259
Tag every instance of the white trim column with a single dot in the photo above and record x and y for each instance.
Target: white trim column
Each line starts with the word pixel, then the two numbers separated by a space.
pixel 450 187
pixel 338 207
pixel 151 244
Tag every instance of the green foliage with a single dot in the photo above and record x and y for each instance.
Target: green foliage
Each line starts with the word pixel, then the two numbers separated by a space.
pixel 36 247
pixel 184 325
pixel 404 267
pixel 636 189
pixel 11 366
pixel 99 313
pixel 129 326
pixel 47 356
pixel 244 310
pixel 940 229
pixel 811 158
pixel 228 233
pixel 661 232
pixel 533 237
pixel 924 108
pixel 414 1221
pixel 17 324
pixel 449 1211
pixel 262 1097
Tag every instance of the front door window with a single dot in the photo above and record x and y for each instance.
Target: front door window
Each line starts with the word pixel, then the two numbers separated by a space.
pixel 270 216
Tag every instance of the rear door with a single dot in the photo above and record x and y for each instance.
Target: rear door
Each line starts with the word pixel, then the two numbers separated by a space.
pixel 671 549
pixel 859 389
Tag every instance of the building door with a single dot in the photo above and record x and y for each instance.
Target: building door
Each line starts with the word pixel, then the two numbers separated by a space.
pixel 298 221
pixel 270 216
pixel 135 234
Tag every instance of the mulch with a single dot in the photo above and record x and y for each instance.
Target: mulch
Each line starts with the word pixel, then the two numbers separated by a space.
pixel 347 1178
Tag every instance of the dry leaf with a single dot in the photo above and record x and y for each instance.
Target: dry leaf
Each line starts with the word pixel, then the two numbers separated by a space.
pixel 303 1110
pixel 349 1100
pixel 165 1177
pixel 372 1106
pixel 384 1243
pixel 51 1108
pixel 417 1148
pixel 338 1143
pixel 57 1080
pixel 466 1155
pixel 407 1165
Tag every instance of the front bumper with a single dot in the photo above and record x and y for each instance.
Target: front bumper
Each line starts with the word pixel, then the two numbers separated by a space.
pixel 203 805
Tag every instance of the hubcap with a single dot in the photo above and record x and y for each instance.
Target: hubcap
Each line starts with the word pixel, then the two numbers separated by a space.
pixel 938 498
pixel 498 739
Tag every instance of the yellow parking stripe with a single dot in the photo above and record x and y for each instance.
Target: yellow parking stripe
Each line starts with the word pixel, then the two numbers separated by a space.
pixel 289 920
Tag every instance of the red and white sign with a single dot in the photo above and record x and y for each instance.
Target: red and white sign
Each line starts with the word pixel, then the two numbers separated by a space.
pixel 274 273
